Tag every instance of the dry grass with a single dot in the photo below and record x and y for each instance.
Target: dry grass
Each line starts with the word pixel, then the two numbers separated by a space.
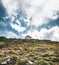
pixel 32 51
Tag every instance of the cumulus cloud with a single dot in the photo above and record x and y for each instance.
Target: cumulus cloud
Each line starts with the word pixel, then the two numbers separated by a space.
pixel 10 34
pixel 44 11
pixel 11 6
pixel 39 10
pixel 17 27
pixel 54 33
pixel 18 22
pixel 51 34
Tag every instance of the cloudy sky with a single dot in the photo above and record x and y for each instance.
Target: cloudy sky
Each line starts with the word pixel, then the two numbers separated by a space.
pixel 36 18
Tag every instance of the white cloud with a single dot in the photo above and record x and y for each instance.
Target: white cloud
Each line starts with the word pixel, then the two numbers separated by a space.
pixel 12 19
pixel 39 10
pixel 54 33
pixel 33 34
pixel 51 34
pixel 10 34
pixel 17 27
pixel 18 22
pixel 11 6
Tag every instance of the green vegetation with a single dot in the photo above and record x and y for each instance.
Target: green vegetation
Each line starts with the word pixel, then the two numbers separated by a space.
pixel 43 62
pixel 29 51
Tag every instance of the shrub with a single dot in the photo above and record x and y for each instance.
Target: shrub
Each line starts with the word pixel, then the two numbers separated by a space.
pixel 44 55
pixel 35 57
pixel 2 55
pixel 1 45
pixel 22 62
pixel 13 60
pixel 43 62
pixel 57 51
pixel 55 59
pixel 11 52
pixel 51 63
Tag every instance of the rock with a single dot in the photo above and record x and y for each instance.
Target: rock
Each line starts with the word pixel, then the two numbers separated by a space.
pixel 4 63
pixel 30 63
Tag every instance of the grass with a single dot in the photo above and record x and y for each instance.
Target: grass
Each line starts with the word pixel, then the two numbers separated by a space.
pixel 21 51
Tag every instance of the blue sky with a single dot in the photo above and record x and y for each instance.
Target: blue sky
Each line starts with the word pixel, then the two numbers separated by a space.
pixel 36 18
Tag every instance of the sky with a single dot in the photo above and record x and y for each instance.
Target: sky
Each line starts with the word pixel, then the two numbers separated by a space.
pixel 36 18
